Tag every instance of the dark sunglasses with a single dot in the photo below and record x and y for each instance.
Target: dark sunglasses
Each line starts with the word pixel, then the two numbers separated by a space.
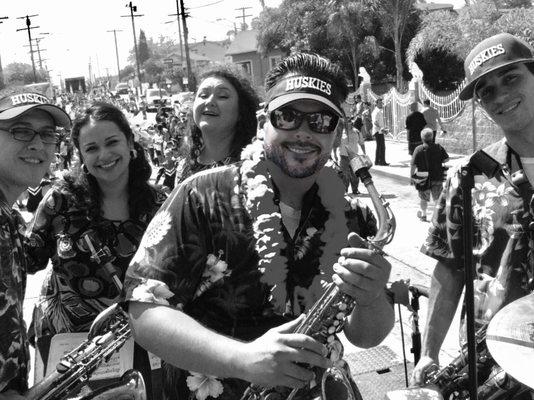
pixel 289 119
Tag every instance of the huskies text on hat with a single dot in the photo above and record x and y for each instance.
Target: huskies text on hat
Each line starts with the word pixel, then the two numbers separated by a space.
pixel 15 104
pixel 300 86
pixel 491 54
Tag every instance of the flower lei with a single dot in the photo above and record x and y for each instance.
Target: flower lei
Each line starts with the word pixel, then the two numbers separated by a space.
pixel 267 222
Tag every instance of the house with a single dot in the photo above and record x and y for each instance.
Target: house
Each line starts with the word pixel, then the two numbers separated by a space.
pixel 431 7
pixel 214 50
pixel 244 52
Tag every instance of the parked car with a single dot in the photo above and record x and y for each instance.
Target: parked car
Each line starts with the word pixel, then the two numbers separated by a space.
pixel 155 98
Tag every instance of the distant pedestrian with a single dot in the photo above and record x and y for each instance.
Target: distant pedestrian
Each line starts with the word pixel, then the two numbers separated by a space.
pixel 351 139
pixel 367 127
pixel 426 170
pixel 379 132
pixel 415 122
pixel 432 119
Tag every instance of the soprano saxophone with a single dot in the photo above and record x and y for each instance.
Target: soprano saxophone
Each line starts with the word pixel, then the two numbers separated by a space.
pixel 328 315
pixel 108 334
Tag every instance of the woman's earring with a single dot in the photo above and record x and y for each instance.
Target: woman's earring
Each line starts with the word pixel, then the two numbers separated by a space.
pixel 84 169
pixel 133 154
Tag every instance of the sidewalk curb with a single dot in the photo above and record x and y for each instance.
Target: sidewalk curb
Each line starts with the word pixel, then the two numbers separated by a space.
pixel 388 174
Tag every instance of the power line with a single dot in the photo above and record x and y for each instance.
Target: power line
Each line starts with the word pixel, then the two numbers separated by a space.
pixel 207 5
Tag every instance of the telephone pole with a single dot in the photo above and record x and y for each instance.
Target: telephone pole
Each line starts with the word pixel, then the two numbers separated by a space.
pixel 117 53
pixel 243 16
pixel 28 24
pixel 191 84
pixel 1 70
pixel 132 16
pixel 177 15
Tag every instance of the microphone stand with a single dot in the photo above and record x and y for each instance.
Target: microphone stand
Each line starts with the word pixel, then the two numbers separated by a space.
pixel 479 162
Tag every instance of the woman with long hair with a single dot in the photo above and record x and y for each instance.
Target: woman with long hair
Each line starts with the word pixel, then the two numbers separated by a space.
pixel 223 120
pixel 89 225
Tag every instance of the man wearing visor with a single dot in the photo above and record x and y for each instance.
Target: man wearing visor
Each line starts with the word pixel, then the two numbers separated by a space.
pixel 500 76
pixel 28 141
pixel 237 254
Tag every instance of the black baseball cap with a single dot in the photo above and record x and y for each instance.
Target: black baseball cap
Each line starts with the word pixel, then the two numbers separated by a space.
pixel 15 104
pixel 302 86
pixel 491 54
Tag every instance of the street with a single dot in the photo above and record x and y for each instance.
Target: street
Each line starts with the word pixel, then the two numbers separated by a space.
pixel 407 264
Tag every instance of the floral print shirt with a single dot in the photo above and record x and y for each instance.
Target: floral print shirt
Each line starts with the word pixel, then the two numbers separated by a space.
pixel 198 255
pixel 77 287
pixel 14 352
pixel 503 242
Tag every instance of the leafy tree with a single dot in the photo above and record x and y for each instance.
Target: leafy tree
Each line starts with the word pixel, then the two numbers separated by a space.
pixel 21 73
pixel 394 16
pixel 128 72
pixel 142 48
pixel 153 70
pixel 447 38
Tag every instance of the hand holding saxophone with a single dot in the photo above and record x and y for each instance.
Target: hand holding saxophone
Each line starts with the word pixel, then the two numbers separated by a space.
pixel 421 370
pixel 360 272
pixel 280 357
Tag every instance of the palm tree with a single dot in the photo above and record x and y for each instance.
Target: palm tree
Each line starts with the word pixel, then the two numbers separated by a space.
pixel 352 22
pixel 394 15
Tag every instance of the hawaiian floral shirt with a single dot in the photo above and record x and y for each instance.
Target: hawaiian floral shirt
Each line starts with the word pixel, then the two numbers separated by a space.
pixel 204 232
pixel 77 287
pixel 14 352
pixel 503 242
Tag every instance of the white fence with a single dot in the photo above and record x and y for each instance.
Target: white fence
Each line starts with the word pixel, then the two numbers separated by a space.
pixel 397 106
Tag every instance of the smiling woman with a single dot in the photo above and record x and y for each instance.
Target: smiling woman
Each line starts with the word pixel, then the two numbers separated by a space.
pixel 223 120
pixel 107 201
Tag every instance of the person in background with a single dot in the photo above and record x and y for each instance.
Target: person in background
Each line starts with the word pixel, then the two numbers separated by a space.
pixel 500 77
pixel 415 122
pixel 223 120
pixel 106 201
pixel 28 140
pixel 427 172
pixel 432 118
pixel 379 132
pixel 351 139
pixel 167 171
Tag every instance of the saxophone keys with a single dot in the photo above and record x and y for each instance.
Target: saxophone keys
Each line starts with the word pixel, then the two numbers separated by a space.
pixel 340 315
pixel 343 306
pixel 332 329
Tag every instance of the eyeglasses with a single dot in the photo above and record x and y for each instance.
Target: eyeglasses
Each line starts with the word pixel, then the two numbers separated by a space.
pixel 26 134
pixel 289 119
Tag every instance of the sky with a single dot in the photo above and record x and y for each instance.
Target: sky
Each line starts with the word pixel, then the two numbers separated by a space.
pixel 78 30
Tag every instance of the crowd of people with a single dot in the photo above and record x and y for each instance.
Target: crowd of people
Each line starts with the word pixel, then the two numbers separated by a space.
pixel 218 265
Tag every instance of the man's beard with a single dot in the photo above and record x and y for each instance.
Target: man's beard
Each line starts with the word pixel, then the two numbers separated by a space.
pixel 276 155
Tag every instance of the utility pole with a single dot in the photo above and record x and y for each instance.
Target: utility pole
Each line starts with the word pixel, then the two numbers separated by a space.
pixel 243 16
pixel 38 51
pixel 1 70
pixel 191 84
pixel 132 16
pixel 179 28
pixel 28 24
pixel 117 53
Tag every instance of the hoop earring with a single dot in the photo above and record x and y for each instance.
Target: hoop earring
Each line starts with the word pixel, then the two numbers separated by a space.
pixel 84 169
pixel 133 154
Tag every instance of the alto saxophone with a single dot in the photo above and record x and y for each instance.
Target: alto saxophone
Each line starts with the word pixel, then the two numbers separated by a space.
pixel 328 315
pixel 76 367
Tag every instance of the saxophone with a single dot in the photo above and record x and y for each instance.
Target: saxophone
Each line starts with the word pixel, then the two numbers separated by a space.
pixel 452 381
pixel 76 367
pixel 328 315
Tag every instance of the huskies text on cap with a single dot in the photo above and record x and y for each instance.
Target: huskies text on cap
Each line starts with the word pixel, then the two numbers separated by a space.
pixel 491 54
pixel 298 87
pixel 16 104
